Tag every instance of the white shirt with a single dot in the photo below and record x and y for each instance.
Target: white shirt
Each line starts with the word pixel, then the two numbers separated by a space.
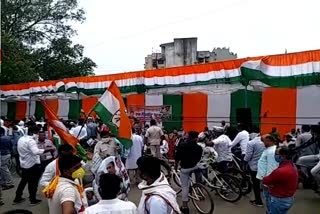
pixel 164 148
pixel 221 146
pixel 157 205
pixel 154 134
pixel 48 174
pixel 242 138
pixel 66 191
pixel 114 206
pixel 29 154
pixel 75 132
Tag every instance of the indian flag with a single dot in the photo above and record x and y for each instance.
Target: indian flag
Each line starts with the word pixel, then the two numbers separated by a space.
pixel 112 111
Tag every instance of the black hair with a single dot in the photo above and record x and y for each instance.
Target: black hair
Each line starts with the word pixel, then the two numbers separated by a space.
pixel 305 128
pixel 286 152
pixel 104 134
pixel 112 163
pixel 65 148
pixel 81 122
pixel 109 186
pixel 193 135
pixel 153 122
pixel 255 129
pixel 149 166
pixel 66 162
pixel 33 129
pixel 133 130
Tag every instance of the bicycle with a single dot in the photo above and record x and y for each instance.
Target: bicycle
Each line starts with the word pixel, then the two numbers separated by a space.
pixel 236 170
pixel 223 183
pixel 198 194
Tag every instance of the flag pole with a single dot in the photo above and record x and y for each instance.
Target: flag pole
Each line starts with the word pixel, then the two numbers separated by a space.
pixel 87 116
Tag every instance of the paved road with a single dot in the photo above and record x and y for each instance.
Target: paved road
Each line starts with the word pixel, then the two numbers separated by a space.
pixel 306 202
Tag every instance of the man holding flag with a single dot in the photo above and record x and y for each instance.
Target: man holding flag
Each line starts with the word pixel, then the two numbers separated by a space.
pixel 62 131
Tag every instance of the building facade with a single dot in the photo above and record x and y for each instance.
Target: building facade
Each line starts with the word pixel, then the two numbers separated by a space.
pixel 183 51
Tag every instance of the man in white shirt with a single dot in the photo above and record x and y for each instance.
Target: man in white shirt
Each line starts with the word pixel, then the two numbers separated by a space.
pixel 109 187
pixel 153 138
pixel 242 138
pixel 78 132
pixel 29 154
pixel 221 146
pixel 51 170
pixel 134 153
pixel 66 197
pixel 157 195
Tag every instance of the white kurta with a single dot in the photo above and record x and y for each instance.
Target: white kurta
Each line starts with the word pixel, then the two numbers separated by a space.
pixel 134 152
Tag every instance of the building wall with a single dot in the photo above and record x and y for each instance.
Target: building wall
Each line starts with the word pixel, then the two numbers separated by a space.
pixel 183 51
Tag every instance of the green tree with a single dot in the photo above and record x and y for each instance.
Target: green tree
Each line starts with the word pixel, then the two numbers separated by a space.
pixel 39 32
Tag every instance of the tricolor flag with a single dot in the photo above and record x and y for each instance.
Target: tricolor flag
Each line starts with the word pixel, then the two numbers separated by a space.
pixel 62 131
pixel 112 112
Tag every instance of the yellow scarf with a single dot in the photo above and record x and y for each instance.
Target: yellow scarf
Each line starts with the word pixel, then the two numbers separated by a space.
pixel 51 188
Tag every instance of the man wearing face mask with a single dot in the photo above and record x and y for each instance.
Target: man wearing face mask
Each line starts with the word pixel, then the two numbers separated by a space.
pixel 29 155
pixel 282 182
pixel 67 193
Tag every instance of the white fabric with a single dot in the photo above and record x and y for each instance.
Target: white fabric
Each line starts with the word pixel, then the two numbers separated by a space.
pixel 114 206
pixel 29 153
pixel 75 132
pixel 120 171
pixel 154 100
pixel 221 146
pixel 242 138
pixel 66 191
pixel 218 109
pixel 48 175
pixel 307 98
pixel 164 148
pixel 31 108
pixel 4 108
pixel 134 152
pixel 154 134
pixel 156 204
pixel 63 108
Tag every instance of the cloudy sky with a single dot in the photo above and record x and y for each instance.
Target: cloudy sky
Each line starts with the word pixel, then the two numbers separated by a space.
pixel 117 35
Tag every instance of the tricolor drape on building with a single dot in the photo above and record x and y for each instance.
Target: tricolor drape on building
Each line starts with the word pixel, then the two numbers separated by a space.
pixel 284 70
pixel 280 107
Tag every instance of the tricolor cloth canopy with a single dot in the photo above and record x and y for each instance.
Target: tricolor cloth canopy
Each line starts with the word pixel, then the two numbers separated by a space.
pixel 284 70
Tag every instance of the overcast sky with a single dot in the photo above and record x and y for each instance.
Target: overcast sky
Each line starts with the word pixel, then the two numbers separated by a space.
pixel 117 35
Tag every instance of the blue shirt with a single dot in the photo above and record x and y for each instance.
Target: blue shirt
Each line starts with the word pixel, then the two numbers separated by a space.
pixel 5 145
pixel 267 162
pixel 254 151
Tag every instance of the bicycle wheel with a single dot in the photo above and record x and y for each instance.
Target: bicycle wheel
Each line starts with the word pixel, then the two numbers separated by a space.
pixel 229 188
pixel 201 199
pixel 245 181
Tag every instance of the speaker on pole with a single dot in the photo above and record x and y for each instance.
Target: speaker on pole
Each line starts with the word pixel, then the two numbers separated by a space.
pixel 243 116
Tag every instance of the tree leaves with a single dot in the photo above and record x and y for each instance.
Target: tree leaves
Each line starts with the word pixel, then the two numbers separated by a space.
pixel 36 41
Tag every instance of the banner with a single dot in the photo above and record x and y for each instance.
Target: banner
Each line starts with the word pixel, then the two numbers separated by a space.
pixel 146 113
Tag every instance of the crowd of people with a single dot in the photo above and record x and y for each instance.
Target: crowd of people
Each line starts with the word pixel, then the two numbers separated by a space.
pixel 102 183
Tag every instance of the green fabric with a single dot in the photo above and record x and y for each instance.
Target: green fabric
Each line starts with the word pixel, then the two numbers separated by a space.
pixel 253 102
pixel 142 88
pixel 176 102
pixel 106 118
pixel 249 74
pixel 74 109
pixel 11 112
pixel 39 112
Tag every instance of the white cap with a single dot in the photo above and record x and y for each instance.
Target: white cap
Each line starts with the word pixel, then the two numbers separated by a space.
pixel 21 123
